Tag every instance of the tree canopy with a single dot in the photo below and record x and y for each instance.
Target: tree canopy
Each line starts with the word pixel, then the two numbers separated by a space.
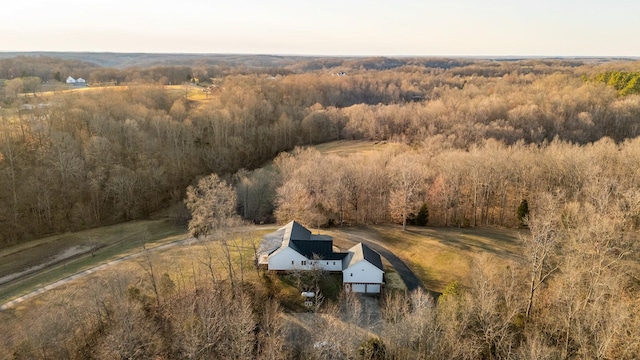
pixel 212 204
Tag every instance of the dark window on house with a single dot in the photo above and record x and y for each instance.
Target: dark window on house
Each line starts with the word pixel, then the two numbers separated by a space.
pixel 292 262
pixel 334 263
pixel 351 274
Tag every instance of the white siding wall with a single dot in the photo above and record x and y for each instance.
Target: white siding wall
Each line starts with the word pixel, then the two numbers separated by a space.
pixel 283 258
pixel 282 261
pixel 331 265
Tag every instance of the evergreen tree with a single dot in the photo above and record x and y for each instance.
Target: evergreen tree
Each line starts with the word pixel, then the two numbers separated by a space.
pixel 423 216
pixel 523 210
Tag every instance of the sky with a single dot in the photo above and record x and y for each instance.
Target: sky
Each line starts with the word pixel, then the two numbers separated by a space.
pixel 329 27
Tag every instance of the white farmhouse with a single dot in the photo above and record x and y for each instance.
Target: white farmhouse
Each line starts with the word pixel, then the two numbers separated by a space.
pixel 294 247
pixel 71 80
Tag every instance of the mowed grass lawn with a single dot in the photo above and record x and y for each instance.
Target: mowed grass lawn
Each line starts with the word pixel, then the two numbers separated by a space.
pixel 66 254
pixel 440 256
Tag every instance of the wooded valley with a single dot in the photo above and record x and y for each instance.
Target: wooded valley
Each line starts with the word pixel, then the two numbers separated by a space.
pixel 453 142
pixel 84 159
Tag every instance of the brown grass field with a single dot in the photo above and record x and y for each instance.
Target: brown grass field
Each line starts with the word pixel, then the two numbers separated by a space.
pixel 349 147
pixel 193 93
pixel 437 255
pixel 43 261
pixel 440 256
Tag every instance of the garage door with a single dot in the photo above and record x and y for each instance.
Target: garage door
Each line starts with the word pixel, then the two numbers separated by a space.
pixel 373 288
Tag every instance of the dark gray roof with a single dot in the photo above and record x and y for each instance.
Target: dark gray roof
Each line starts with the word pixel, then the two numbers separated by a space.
pixel 300 239
pixel 372 256
pixel 297 231
pixel 321 248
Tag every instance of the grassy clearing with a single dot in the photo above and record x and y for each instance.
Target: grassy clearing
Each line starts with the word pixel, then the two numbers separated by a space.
pixel 193 93
pixel 440 256
pixel 348 147
pixel 93 247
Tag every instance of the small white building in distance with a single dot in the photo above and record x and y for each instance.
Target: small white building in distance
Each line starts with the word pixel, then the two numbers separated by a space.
pixel 294 247
pixel 76 82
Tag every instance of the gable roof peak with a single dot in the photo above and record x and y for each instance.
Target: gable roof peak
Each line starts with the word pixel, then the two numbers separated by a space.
pixel 361 252
pixel 295 231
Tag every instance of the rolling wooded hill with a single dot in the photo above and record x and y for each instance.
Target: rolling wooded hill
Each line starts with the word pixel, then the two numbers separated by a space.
pixel 450 142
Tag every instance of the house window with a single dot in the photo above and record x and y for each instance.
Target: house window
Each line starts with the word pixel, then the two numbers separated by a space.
pixel 351 274
pixel 327 263
pixel 303 262
pixel 334 263
pixel 293 262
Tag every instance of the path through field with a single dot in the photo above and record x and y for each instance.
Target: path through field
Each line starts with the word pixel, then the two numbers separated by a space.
pixel 367 237
pixel 94 269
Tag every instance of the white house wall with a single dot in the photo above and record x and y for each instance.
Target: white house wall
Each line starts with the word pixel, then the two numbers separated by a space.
pixel 289 259
pixel 363 272
pixel 283 258
pixel 330 265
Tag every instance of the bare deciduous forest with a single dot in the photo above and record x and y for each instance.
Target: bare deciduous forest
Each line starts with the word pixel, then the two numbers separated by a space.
pixel 547 144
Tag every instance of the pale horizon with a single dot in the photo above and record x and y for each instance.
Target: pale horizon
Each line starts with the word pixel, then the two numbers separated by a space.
pixel 495 28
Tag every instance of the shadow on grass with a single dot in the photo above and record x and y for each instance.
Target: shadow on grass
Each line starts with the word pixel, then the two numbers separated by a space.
pixel 498 243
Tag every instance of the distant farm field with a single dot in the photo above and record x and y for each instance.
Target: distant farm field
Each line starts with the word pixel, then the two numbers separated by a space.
pixel 192 92
pixel 348 147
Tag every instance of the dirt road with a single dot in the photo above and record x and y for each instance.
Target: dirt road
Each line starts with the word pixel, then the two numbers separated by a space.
pixel 92 270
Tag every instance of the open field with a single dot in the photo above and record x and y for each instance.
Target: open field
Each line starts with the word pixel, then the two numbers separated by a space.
pixel 192 92
pixel 47 260
pixel 348 147
pixel 439 256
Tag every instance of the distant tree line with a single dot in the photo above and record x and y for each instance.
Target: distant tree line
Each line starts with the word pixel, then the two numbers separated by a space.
pixel 44 67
